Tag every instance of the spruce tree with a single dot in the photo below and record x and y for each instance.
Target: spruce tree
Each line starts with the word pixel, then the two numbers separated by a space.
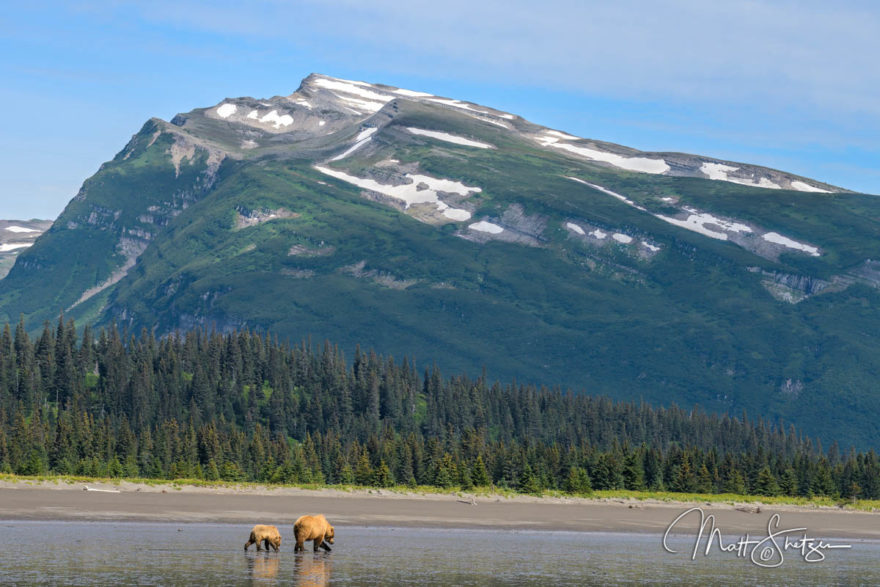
pixel 528 481
pixel 363 473
pixel 382 477
pixel 766 483
pixel 788 484
pixel 578 482
pixel 633 472
pixel 480 476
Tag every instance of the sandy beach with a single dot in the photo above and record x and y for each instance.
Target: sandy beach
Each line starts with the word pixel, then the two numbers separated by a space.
pixel 47 500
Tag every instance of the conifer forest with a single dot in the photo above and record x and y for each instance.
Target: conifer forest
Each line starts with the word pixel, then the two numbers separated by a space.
pixel 242 406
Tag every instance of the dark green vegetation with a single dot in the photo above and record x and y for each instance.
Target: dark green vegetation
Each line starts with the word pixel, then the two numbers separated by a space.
pixel 241 407
pixel 695 323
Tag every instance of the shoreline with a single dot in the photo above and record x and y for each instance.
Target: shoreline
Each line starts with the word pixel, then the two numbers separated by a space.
pixel 125 501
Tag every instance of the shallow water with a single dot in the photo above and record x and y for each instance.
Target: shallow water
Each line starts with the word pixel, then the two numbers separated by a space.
pixel 125 553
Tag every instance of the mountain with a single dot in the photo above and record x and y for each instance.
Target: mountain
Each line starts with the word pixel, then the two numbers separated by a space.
pixel 16 236
pixel 447 231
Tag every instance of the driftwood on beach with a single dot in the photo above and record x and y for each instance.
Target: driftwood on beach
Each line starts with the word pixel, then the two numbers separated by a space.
pixel 749 509
pixel 87 488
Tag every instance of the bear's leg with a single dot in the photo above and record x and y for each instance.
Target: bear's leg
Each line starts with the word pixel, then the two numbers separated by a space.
pixel 300 547
pixel 248 543
pixel 319 542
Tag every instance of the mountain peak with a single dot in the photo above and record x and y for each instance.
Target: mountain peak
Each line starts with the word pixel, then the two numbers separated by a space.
pixel 324 105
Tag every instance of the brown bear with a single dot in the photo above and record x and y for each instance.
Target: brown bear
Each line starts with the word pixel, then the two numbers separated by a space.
pixel 263 534
pixel 314 528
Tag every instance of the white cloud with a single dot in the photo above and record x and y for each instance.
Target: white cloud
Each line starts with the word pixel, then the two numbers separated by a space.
pixel 692 49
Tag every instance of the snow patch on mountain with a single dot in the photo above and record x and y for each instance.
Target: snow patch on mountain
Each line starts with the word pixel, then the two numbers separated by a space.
pixel 594 236
pixel 413 94
pixel 620 197
pixel 805 187
pixel 778 239
pixel 6 247
pixel 721 229
pixel 482 118
pixel 351 87
pixel 457 104
pixel 717 171
pixel 355 94
pixel 365 105
pixel 366 133
pixel 641 164
pixel 696 221
pixel 449 138
pixel 456 214
pixel 362 139
pixel 483 226
pixel 721 172
pixel 701 222
pixel 575 228
pixel 762 182
pixel 226 110
pixel 422 189
pixel 277 121
pixel 20 229
pixel 561 135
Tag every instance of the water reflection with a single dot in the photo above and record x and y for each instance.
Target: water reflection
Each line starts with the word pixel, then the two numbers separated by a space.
pixel 263 565
pixel 53 553
pixel 312 569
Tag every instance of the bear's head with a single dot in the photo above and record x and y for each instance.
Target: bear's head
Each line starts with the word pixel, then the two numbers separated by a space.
pixel 329 535
pixel 276 541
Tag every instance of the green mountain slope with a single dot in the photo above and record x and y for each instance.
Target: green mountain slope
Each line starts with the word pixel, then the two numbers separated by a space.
pixel 457 234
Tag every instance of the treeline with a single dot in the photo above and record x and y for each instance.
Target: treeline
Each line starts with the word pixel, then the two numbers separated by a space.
pixel 241 406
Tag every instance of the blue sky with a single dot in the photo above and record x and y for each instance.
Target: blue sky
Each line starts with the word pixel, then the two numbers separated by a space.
pixel 792 85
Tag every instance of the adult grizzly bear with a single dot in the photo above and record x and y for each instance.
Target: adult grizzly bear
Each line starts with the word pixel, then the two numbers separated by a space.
pixel 263 534
pixel 314 528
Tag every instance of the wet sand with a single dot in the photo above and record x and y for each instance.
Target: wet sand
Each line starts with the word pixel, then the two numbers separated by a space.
pixel 281 506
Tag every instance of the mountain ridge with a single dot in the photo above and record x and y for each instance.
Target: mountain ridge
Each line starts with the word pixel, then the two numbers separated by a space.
pixel 676 163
